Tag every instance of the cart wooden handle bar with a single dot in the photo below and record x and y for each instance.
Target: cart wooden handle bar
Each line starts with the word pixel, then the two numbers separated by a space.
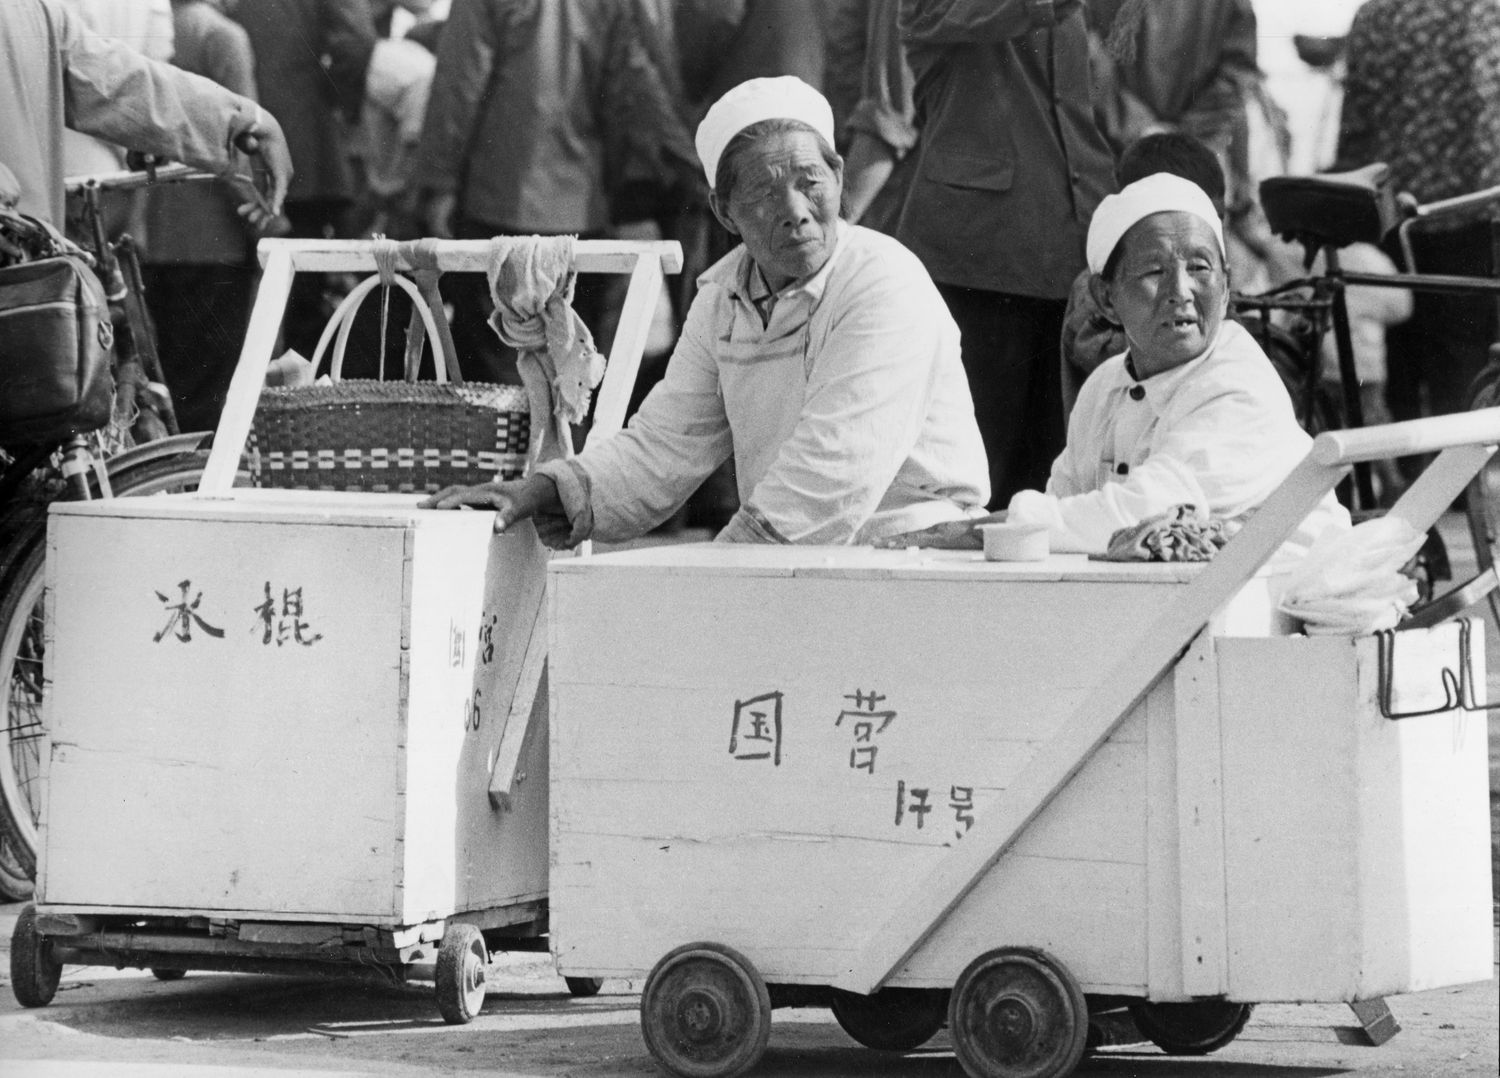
pixel 281 259
pixel 644 261
pixel 1464 443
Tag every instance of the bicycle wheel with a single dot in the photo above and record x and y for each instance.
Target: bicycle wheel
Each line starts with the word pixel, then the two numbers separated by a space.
pixel 23 656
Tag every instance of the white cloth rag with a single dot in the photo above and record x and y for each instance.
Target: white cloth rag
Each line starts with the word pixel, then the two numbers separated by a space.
pixel 531 281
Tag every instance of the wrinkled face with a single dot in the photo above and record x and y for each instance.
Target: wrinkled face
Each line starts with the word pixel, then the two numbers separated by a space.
pixel 1169 290
pixel 784 205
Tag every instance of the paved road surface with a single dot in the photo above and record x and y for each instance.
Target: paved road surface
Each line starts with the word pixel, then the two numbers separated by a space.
pixel 109 1024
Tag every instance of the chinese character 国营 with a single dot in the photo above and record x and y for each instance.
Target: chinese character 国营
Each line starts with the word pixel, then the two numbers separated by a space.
pixel 866 716
pixel 756 732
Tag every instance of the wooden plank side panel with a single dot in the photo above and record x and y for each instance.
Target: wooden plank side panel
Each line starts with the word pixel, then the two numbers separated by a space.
pixel 1163 849
pixel 1018 645
pixel 247 767
pixel 814 795
pixel 619 903
pixel 1116 691
pixel 473 603
pixel 663 835
pixel 1424 863
pixel 1291 776
pixel 1200 821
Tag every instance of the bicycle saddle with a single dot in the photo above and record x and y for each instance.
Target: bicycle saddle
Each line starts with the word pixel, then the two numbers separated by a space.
pixel 1334 209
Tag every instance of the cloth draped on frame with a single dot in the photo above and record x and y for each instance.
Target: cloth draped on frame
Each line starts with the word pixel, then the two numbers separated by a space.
pixel 531 282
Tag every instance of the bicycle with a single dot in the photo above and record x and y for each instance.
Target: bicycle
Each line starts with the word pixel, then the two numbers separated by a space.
pixel 1325 214
pixel 81 466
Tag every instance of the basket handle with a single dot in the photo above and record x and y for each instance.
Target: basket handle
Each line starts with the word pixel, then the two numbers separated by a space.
pixel 342 322
pixel 422 254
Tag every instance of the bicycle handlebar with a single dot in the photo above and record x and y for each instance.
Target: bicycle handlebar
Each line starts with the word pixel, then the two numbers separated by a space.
pixel 134 179
pixel 1417 214
pixel 1444 207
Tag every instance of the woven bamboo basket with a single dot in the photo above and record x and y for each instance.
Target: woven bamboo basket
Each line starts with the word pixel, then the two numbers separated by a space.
pixel 374 435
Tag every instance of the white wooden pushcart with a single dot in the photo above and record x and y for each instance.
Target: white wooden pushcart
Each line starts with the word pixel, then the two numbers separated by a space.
pixel 288 728
pixel 924 788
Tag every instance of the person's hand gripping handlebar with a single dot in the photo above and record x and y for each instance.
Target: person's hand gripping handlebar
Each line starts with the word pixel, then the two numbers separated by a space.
pixel 263 139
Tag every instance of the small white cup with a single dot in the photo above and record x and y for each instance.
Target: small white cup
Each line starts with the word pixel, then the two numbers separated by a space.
pixel 1015 542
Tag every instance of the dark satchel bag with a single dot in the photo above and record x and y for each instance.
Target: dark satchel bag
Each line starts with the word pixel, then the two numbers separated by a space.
pixel 55 336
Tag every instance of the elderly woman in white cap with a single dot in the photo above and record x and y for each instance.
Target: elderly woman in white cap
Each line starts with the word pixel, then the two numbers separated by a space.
pixel 1191 413
pixel 819 354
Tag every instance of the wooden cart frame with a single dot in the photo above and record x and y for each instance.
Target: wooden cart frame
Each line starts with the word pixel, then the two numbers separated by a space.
pixel 169 939
pixel 705 1007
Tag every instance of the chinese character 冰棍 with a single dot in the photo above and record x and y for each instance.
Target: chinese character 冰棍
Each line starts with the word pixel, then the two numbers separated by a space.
pixel 290 624
pixel 184 615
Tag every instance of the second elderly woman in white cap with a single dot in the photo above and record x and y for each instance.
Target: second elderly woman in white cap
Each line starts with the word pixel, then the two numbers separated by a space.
pixel 819 354
pixel 1192 413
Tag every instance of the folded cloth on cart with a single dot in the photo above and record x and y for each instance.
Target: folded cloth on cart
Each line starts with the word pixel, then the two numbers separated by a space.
pixel 1351 583
pixel 1182 533
pixel 531 281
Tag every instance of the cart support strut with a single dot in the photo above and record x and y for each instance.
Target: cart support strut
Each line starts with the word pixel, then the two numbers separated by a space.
pixel 1465 441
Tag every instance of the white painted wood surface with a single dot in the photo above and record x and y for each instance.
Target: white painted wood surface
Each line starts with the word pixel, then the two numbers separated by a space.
pixel 327 765
pixel 661 835
pixel 1200 820
pixel 1356 846
pixel 664 832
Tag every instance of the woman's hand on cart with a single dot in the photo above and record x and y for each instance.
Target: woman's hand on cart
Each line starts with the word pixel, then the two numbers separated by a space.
pixel 534 497
pixel 949 535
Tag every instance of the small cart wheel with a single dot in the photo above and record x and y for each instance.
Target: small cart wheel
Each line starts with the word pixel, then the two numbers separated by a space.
pixel 706 1012
pixel 1191 1029
pixel 1018 1013
pixel 34 972
pixel 893 1019
pixel 459 978
pixel 168 974
pixel 583 987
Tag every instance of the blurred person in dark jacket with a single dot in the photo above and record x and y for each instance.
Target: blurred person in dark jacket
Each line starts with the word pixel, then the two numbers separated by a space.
pixel 1008 167
pixel 1422 94
pixel 199 257
pixel 869 84
pixel 527 100
pixel 311 60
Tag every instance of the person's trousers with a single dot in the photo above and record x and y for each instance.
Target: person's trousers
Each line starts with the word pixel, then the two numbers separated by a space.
pixel 307 308
pixel 201 314
pixel 1010 354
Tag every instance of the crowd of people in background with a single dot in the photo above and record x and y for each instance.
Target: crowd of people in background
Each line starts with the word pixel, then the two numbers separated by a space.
pixel 982 137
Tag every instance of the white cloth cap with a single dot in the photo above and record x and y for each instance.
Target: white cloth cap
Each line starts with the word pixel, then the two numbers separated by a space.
pixel 1159 193
pixel 784 97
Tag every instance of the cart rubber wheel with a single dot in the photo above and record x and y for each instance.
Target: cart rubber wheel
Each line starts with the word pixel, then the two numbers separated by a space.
pixel 459 978
pixel 893 1019
pixel 1018 1013
pixel 706 1012
pixel 1191 1029
pixel 583 987
pixel 34 973
pixel 168 974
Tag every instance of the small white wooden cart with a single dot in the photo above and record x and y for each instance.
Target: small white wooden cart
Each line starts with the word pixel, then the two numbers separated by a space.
pixel 923 788
pixel 288 729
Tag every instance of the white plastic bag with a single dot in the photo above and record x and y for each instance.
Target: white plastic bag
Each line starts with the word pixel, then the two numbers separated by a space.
pixel 1351 582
